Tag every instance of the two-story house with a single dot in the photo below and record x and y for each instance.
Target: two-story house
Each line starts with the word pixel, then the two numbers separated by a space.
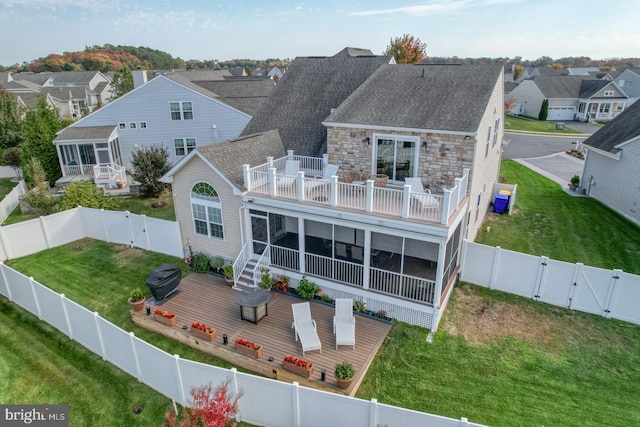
pixel 273 199
pixel 170 111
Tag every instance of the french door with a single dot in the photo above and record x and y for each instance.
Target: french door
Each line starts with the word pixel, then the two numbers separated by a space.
pixel 396 156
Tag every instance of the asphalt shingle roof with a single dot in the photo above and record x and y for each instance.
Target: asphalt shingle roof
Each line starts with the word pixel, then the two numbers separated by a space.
pixel 421 96
pixel 84 133
pixel 307 93
pixel 622 128
pixel 229 156
pixel 245 94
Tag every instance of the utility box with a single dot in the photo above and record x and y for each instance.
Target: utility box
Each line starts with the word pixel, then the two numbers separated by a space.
pixel 559 126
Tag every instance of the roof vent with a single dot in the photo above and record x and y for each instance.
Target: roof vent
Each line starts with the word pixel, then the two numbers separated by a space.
pixel 423 73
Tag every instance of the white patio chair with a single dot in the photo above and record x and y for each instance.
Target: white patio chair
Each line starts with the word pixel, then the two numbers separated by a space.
pixel 344 323
pixel 423 197
pixel 321 180
pixel 287 179
pixel 305 327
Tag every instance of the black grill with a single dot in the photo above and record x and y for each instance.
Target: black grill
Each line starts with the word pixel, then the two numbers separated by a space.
pixel 164 280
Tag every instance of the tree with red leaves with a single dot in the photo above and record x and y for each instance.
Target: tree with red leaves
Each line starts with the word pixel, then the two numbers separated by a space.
pixel 406 49
pixel 209 407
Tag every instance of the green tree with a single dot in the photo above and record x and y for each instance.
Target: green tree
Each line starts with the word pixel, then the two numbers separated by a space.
pixel 10 120
pixel 12 157
pixel 544 110
pixel 86 193
pixel 122 82
pixel 39 130
pixel 39 196
pixel 406 49
pixel 149 165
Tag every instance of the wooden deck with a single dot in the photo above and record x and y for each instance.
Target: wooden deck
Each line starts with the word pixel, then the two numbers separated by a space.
pixel 207 299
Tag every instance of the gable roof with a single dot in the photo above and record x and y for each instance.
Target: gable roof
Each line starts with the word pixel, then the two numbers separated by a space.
pixel 445 97
pixel 224 156
pixel 66 93
pixel 307 93
pixel 244 93
pixel 559 86
pixel 620 130
pixel 590 88
pixel 85 133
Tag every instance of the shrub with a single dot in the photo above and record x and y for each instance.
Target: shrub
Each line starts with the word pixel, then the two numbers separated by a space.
pixel 87 194
pixel 200 263
pixel 575 180
pixel 136 295
pixel 344 370
pixel 209 407
pixel 307 289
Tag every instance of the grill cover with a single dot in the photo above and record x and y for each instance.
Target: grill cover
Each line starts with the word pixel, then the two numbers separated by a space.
pixel 164 280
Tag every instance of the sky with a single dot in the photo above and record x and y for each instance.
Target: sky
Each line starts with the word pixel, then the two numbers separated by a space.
pixel 234 29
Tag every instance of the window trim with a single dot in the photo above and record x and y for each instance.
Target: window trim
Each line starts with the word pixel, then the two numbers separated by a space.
pixel 206 202
pixel 122 125
pixel 181 112
pixel 186 148
pixel 142 125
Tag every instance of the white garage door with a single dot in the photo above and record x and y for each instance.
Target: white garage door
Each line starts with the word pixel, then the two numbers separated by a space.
pixel 561 113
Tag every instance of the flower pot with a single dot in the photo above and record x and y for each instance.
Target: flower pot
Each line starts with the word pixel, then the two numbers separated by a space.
pixel 249 351
pixel 344 384
pixel 298 370
pixel 137 305
pixel 165 320
pixel 229 281
pixel 203 335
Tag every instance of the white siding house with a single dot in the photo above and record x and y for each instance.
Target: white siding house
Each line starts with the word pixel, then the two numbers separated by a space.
pixel 611 171
pixel 160 112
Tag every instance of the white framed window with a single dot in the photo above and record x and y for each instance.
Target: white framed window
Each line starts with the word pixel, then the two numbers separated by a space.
pixel 181 110
pixel 608 93
pixel 495 132
pixel 486 151
pixel 184 146
pixel 122 125
pixel 604 108
pixel 206 211
pixel 132 125
pixel 143 125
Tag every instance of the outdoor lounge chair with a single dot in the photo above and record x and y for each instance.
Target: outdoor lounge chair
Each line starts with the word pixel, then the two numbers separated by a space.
pixel 305 327
pixel 287 179
pixel 321 181
pixel 344 323
pixel 422 197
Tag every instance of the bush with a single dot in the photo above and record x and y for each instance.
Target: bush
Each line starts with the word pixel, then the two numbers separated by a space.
pixel 307 289
pixel 149 165
pixel 544 110
pixel 86 194
pixel 344 370
pixel 200 263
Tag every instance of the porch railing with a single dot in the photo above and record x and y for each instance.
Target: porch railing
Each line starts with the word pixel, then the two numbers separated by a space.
pixel 109 174
pixel 399 202
pixel 263 262
pixel 77 169
pixel 242 260
pixel 382 281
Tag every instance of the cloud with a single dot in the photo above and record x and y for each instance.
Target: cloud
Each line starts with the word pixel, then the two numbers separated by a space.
pixel 439 7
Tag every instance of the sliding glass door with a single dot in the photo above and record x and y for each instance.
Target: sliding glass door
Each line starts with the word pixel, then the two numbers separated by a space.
pixel 396 156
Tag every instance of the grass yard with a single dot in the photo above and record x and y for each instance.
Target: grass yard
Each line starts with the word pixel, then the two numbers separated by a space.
pixel 33 353
pixel 531 125
pixel 6 185
pixel 503 360
pixel 547 221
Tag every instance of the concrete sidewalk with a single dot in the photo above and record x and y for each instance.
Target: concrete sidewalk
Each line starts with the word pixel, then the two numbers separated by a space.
pixel 559 167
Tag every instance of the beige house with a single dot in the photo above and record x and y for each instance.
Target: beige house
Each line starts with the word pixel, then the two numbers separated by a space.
pixel 373 204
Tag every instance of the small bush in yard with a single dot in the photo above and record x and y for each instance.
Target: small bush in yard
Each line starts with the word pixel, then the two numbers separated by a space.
pixel 208 407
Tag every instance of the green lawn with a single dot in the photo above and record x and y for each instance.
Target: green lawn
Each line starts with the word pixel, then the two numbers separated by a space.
pixel 6 185
pixel 547 221
pixel 140 206
pixel 531 125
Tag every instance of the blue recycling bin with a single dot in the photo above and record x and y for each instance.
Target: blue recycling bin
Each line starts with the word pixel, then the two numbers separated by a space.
pixel 500 203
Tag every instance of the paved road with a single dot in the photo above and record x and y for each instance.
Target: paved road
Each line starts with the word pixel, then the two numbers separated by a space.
pixel 524 146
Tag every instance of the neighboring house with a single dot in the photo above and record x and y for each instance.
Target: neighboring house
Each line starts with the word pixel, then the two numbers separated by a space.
pixel 74 93
pixel 394 246
pixel 611 170
pixel 277 72
pixel 629 82
pixel 570 97
pixel 25 92
pixel 177 115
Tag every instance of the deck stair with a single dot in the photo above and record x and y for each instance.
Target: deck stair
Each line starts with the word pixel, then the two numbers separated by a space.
pixel 245 281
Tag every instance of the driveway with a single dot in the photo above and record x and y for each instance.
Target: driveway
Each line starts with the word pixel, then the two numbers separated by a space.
pixel 546 154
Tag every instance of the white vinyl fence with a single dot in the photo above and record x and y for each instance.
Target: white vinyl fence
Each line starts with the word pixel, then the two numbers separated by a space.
pixel 608 293
pixel 264 402
pixel 140 231
pixel 11 200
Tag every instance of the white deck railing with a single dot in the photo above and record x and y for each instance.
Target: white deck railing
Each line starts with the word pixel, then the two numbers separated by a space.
pixel 109 174
pixel 77 169
pixel 269 180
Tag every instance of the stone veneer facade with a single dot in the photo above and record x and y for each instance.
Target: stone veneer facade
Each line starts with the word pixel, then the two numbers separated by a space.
pixel 437 166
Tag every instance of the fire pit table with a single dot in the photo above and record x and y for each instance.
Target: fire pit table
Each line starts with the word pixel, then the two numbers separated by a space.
pixel 253 304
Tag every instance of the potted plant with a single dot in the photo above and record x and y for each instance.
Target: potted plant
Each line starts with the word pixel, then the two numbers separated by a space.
pixel 228 274
pixel 298 366
pixel 137 299
pixel 282 284
pixel 575 182
pixel 202 331
pixel 164 316
pixel 344 374
pixel 217 264
pixel 248 347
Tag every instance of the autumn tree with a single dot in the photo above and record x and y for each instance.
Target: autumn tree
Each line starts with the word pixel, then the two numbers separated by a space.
pixel 517 71
pixel 509 104
pixel 406 49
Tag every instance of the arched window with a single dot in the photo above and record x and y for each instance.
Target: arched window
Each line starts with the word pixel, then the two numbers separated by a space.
pixel 206 210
